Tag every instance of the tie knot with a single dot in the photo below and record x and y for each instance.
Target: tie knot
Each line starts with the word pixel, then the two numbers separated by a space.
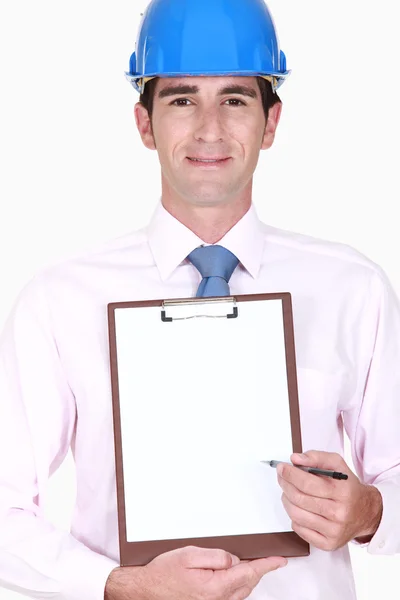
pixel 214 261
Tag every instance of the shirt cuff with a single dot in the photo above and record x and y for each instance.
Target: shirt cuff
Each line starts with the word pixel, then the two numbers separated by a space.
pixel 386 539
pixel 87 575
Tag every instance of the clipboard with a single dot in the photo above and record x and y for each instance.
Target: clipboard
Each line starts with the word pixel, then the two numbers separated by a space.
pixel 203 390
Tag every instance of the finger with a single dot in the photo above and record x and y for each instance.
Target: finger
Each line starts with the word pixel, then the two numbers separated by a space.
pixel 248 574
pixel 194 557
pixel 251 572
pixel 321 460
pixel 262 566
pixel 326 507
pixel 314 538
pixel 241 594
pixel 312 485
pixel 310 520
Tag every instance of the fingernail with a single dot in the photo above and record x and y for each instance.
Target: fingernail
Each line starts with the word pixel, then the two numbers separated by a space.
pixel 300 455
pixel 283 564
pixel 235 560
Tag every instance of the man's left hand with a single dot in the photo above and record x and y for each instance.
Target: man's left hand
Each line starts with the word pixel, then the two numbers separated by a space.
pixel 327 512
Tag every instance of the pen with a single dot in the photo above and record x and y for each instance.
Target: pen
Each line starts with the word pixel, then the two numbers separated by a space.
pixel 314 470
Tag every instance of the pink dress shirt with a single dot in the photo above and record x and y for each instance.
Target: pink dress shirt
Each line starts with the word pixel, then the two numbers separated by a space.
pixel 55 393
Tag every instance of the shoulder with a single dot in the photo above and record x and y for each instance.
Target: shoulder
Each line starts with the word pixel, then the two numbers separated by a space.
pixel 312 250
pixel 109 254
pixel 84 270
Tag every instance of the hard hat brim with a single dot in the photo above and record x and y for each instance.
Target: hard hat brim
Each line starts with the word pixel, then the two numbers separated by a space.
pixel 139 81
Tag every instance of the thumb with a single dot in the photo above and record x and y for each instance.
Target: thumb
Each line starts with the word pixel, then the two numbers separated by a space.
pixel 194 557
pixel 253 570
pixel 321 460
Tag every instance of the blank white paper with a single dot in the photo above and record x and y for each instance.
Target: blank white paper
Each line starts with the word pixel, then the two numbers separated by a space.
pixel 202 402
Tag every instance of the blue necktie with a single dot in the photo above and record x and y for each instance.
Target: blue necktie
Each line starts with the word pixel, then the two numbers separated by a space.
pixel 216 265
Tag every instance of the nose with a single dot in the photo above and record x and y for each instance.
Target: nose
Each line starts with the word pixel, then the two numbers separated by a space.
pixel 209 127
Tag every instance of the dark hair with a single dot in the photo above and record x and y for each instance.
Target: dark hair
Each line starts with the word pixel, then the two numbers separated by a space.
pixel 268 97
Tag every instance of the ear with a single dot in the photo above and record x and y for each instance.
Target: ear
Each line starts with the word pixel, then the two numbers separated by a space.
pixel 274 116
pixel 143 124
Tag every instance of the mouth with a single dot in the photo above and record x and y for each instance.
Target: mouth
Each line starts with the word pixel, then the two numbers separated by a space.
pixel 208 162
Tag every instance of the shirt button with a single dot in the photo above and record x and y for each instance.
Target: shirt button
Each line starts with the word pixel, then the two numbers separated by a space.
pixel 381 545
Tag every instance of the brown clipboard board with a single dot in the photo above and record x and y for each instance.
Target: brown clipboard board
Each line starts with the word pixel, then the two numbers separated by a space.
pixel 246 547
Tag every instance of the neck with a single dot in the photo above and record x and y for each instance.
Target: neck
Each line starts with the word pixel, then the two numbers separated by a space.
pixel 209 223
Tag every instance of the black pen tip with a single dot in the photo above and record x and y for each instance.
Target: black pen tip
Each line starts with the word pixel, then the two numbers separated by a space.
pixel 337 475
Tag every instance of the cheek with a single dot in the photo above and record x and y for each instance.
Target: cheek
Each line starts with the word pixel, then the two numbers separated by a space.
pixel 170 136
pixel 175 125
pixel 247 133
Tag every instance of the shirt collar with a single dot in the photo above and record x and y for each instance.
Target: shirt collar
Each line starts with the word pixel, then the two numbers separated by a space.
pixel 170 241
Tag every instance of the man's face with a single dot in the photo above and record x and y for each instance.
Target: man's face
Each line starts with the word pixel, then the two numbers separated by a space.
pixel 208 132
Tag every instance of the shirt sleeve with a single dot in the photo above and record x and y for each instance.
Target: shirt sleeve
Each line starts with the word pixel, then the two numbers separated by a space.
pixel 373 425
pixel 37 421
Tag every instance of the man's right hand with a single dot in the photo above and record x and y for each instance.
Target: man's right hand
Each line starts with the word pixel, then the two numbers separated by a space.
pixel 190 573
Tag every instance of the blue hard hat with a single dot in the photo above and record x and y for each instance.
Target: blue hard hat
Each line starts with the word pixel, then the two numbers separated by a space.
pixel 179 38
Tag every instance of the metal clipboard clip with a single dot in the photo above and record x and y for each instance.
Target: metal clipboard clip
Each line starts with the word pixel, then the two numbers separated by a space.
pixel 196 308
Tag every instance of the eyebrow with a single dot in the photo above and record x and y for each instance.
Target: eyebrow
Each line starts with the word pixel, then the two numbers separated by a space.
pixel 179 90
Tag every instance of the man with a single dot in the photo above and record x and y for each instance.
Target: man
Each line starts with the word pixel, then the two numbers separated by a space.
pixel 208 73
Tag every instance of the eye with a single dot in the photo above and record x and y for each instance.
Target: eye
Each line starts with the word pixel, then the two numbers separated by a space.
pixel 180 100
pixel 236 100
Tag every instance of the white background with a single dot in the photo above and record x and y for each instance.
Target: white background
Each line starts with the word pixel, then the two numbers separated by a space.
pixel 74 173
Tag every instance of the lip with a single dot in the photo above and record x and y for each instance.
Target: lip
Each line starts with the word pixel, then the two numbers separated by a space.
pixel 222 162
pixel 208 157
